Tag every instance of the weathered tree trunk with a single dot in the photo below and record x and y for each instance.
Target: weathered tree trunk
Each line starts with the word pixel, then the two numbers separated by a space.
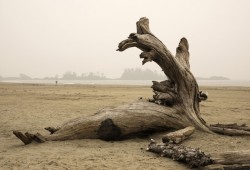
pixel 174 105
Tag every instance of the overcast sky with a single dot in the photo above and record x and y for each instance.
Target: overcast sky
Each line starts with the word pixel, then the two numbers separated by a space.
pixel 48 37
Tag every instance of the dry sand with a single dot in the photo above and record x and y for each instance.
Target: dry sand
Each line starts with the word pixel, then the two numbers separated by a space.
pixel 31 107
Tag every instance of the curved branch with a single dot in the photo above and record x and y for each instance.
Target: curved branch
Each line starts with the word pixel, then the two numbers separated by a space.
pixel 147 42
pixel 169 65
pixel 175 68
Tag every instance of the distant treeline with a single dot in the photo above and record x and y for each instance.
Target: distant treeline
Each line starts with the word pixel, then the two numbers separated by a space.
pixel 139 74
pixel 128 74
pixel 84 76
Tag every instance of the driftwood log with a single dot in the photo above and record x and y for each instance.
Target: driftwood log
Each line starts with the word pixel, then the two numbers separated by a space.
pixel 194 157
pixel 174 105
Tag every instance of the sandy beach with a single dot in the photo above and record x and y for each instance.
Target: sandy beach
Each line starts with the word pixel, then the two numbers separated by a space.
pixel 31 107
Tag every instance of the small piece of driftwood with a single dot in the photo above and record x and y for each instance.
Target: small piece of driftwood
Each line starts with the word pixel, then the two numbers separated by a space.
pixel 179 135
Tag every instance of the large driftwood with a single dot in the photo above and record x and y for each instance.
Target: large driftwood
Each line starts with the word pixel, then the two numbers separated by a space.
pixel 174 105
pixel 177 98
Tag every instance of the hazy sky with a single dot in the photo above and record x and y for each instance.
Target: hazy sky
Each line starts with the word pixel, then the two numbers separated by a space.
pixel 48 37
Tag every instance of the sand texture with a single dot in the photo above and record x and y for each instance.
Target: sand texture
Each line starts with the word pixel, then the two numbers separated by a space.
pixel 31 107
